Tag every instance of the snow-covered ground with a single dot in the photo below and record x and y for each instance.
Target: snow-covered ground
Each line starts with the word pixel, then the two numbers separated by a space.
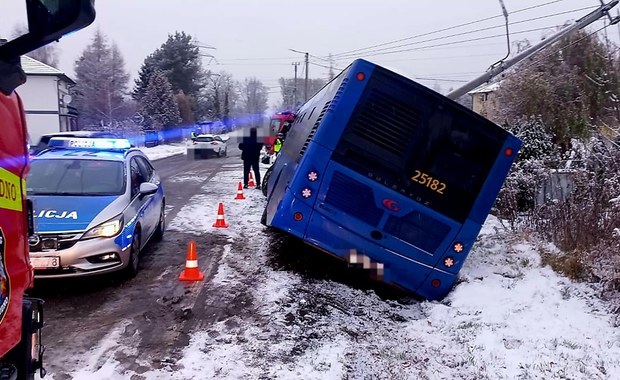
pixel 508 318
pixel 163 151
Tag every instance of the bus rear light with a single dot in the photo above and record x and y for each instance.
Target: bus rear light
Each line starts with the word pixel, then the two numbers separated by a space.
pixel 298 216
pixel 458 247
pixel 313 176
pixel 508 152
pixel 306 193
pixel 360 76
pixel 448 262
pixel 436 283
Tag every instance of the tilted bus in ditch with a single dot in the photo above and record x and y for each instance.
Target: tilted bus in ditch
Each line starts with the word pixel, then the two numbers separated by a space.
pixel 388 174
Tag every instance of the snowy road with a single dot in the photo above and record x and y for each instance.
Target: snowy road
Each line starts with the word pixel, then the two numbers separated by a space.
pixel 271 308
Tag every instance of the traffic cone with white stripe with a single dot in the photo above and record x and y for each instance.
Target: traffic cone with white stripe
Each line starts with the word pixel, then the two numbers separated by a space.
pixel 240 192
pixel 220 222
pixel 191 271
pixel 251 183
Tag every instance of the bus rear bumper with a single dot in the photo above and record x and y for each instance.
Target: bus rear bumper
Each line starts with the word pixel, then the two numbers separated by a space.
pixel 385 265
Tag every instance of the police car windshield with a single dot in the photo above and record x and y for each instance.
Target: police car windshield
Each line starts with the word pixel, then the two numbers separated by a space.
pixel 75 177
pixel 204 139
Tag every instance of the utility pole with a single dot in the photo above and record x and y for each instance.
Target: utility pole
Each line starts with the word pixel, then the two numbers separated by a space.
pixel 502 65
pixel 306 84
pixel 307 55
pixel 295 85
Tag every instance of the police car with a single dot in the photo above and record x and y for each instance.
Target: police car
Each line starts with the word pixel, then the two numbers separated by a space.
pixel 96 203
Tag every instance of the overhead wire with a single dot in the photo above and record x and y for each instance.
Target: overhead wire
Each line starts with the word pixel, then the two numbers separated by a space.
pixel 460 34
pixel 444 29
pixel 455 42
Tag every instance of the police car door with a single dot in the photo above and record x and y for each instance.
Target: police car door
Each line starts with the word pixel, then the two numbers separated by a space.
pixel 153 207
pixel 140 204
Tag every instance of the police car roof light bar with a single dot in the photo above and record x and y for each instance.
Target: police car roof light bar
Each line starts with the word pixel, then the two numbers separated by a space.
pixel 89 143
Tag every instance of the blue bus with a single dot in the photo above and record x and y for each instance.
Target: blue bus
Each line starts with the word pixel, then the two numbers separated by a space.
pixel 389 175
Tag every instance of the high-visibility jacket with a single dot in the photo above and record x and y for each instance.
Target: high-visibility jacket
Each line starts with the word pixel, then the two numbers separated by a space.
pixel 277 145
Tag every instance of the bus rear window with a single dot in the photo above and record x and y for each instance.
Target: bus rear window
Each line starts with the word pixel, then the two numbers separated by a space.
pixel 423 147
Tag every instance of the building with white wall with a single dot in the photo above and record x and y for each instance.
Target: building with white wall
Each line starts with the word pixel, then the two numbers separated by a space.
pixel 46 99
pixel 484 100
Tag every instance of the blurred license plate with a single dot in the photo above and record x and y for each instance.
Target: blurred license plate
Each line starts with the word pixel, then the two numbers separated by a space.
pixel 45 262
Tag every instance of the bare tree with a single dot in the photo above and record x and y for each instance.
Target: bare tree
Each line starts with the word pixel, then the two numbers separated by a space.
pixel 221 96
pixel 47 54
pixel 254 96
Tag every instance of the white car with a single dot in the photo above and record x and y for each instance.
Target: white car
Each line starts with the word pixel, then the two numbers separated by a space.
pixel 204 145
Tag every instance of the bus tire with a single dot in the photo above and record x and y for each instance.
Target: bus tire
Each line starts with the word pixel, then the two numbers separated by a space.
pixel 266 180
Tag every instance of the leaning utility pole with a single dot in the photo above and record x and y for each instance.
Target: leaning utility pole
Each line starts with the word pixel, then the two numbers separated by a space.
pixel 295 85
pixel 503 65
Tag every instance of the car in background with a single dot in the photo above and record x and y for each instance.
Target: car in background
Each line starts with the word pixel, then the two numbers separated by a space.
pixel 96 204
pixel 206 145
pixel 152 138
pixel 45 139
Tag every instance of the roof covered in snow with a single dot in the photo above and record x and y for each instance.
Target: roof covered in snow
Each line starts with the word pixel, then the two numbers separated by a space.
pixel 33 67
pixel 489 87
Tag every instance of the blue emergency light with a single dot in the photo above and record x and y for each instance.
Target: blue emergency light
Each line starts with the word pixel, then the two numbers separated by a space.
pixel 89 143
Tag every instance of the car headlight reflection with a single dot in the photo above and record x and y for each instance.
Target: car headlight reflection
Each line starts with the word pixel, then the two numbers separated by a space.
pixel 109 228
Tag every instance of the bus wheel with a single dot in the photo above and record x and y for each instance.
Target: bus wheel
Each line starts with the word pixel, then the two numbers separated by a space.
pixel 266 180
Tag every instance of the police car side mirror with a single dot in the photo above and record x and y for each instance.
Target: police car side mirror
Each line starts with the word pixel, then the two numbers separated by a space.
pixel 147 188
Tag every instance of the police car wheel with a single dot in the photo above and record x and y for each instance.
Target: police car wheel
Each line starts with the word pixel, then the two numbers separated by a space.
pixel 161 226
pixel 219 153
pixel 134 256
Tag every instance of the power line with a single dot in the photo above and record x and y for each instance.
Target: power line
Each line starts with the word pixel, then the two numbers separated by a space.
pixel 259 59
pixel 441 80
pixel 444 29
pixel 454 42
pixel 460 34
pixel 327 67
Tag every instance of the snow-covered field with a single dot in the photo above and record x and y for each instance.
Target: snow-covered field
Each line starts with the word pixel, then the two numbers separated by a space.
pixel 508 318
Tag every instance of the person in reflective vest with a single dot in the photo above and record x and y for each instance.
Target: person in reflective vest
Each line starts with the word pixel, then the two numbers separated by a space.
pixel 277 145
pixel 193 136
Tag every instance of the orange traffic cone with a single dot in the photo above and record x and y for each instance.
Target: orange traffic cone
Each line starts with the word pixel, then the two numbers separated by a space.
pixel 220 222
pixel 240 192
pixel 191 271
pixel 251 183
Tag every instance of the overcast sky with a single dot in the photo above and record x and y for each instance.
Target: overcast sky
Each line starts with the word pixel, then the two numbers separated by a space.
pixel 253 37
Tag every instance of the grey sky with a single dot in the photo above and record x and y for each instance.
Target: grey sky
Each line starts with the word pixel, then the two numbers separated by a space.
pixel 252 37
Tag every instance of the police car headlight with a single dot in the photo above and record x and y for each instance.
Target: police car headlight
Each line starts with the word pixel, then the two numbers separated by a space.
pixel 106 229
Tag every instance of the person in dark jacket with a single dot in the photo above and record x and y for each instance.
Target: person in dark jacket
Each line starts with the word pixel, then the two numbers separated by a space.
pixel 250 154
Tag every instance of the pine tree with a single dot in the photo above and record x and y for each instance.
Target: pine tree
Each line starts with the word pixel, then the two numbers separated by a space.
pixel 179 59
pixel 537 140
pixel 159 104
pixel 101 84
pixel 142 82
